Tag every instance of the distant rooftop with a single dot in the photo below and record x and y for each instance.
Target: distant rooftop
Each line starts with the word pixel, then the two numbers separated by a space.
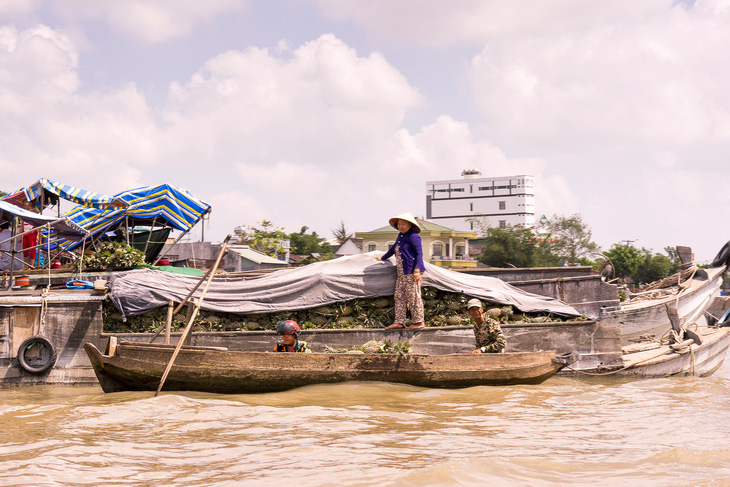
pixel 426 226
pixel 254 256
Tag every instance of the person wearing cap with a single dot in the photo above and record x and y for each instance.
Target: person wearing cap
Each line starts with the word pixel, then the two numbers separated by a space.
pixel 289 332
pixel 409 266
pixel 487 332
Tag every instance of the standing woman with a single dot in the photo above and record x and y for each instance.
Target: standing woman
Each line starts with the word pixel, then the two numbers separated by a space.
pixel 409 266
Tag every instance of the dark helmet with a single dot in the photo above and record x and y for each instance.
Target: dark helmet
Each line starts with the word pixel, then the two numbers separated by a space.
pixel 288 327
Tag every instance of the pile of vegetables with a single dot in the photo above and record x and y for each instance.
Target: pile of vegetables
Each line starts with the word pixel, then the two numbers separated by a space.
pixel 374 346
pixel 111 256
pixel 440 309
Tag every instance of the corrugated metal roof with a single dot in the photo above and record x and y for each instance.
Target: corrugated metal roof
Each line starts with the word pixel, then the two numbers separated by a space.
pixel 256 256
pixel 426 226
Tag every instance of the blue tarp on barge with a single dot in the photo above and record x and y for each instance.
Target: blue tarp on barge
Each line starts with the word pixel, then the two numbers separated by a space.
pixel 164 205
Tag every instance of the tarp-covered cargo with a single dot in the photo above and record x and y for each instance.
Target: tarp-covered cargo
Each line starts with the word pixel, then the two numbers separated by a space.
pixel 313 285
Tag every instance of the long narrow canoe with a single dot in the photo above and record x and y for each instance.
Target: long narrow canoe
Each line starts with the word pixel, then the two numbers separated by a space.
pixel 137 366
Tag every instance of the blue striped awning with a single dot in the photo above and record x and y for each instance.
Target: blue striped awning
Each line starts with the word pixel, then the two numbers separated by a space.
pixel 164 204
pixel 61 227
pixel 79 196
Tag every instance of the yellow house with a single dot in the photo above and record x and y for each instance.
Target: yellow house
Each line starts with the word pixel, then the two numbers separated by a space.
pixel 442 246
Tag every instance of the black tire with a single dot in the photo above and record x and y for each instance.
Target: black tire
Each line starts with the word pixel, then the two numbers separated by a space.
pixel 722 256
pixel 45 351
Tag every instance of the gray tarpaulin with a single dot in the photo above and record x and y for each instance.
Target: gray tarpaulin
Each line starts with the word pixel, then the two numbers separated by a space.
pixel 318 284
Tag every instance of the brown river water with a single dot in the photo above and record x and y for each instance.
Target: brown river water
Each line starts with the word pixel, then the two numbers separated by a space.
pixel 567 431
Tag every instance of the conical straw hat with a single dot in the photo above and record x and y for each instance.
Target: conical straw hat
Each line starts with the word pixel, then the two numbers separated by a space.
pixel 407 217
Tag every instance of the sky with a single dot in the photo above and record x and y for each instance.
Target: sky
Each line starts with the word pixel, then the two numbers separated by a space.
pixel 317 112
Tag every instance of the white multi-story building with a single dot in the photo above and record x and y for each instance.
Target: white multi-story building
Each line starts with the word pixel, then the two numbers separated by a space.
pixel 499 202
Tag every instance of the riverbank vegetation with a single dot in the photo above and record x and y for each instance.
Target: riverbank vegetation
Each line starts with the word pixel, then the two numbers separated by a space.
pixel 568 241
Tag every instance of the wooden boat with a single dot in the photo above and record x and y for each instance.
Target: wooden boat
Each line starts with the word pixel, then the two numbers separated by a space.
pixel 643 314
pixel 700 356
pixel 648 316
pixel 137 366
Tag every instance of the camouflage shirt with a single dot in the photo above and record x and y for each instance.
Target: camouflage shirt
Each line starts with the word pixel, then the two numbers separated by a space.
pixel 301 347
pixel 489 335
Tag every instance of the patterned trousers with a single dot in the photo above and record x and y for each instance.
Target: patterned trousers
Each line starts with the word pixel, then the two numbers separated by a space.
pixel 407 295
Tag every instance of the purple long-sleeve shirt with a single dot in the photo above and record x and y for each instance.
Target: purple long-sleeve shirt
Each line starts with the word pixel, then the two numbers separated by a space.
pixel 410 251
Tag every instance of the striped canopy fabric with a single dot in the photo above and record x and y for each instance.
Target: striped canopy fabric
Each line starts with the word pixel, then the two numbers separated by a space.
pixel 79 196
pixel 165 205
pixel 61 227
pixel 18 198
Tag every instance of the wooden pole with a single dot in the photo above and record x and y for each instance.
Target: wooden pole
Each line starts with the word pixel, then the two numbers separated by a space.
pixel 168 323
pixel 191 309
pixel 13 225
pixel 179 307
pixel 149 237
pixel 192 317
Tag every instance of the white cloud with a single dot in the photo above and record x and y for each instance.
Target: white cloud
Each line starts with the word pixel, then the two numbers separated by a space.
pixel 661 80
pixel 311 136
pixel 17 9
pixel 47 129
pixel 314 136
pixel 633 113
pixel 321 102
pixel 435 23
pixel 147 21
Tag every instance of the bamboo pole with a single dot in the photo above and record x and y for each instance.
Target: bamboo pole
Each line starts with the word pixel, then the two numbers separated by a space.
pixel 191 309
pixel 168 323
pixel 13 224
pixel 192 318
pixel 149 237
pixel 182 303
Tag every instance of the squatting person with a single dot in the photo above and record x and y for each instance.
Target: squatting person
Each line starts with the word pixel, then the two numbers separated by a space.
pixel 289 332
pixel 487 332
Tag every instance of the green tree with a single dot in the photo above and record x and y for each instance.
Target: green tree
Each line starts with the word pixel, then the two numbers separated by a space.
pixel 626 259
pixel 511 246
pixel 304 243
pixel 570 238
pixel 267 239
pixel 642 265
pixel 341 233
pixel 546 255
pixel 654 267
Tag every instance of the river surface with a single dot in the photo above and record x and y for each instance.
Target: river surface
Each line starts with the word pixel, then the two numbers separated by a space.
pixel 567 431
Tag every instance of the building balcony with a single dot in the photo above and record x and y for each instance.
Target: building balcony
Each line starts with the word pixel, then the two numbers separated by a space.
pixel 455 262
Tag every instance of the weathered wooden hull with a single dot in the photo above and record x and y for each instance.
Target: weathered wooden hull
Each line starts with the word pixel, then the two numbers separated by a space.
pixel 597 345
pixel 650 317
pixel 701 361
pixel 140 367
pixel 598 300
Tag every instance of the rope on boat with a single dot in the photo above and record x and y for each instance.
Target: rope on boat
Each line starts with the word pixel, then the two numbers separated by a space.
pixel 661 288
pixel 44 310
pixel 617 370
pixel 680 347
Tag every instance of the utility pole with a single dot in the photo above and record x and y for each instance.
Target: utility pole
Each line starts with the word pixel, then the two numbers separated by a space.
pixel 627 242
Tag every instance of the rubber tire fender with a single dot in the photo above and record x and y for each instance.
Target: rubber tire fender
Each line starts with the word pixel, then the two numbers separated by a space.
pixel 49 355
